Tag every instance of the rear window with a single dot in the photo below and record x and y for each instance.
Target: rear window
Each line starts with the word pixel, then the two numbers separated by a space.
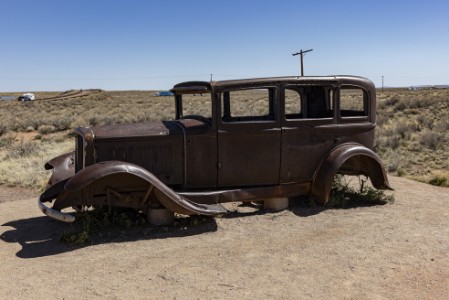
pixel 353 102
pixel 308 102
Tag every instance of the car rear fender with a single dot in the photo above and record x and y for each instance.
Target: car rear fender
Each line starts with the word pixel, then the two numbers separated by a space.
pixel 348 159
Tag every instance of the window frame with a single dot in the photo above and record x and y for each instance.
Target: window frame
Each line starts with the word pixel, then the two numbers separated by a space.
pixel 225 100
pixel 366 105
pixel 331 89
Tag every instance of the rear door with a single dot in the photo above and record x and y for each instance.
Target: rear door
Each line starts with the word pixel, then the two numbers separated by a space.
pixel 309 129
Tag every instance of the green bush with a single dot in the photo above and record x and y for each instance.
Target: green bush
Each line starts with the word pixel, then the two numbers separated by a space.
pixel 100 219
pixel 343 195
pixel 438 181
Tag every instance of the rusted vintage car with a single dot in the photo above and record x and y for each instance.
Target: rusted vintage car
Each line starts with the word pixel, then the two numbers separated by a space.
pixel 263 139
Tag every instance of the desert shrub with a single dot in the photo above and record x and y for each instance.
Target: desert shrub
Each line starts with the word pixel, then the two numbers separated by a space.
pixel 400 172
pixel 419 102
pixel 94 121
pixel 35 122
pixel 413 111
pixel 108 120
pixel 392 101
pixel 442 125
pixel 424 122
pixel 404 129
pixel 438 180
pixel 62 123
pixel 21 150
pixel 13 125
pixel 6 141
pixel 429 139
pixel 343 195
pixel 381 119
pixel 393 165
pixel 400 106
pixel 3 129
pixel 393 142
pixel 46 129
pixel 100 219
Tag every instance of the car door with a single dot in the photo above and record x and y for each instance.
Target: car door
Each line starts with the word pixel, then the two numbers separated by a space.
pixel 309 129
pixel 249 137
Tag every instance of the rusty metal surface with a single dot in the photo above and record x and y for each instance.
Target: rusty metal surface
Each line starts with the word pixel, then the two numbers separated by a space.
pixel 146 130
pixel 349 159
pixel 133 178
pixel 202 159
pixel 63 168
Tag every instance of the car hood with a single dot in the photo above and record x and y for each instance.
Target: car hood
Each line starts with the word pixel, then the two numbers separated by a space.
pixel 146 129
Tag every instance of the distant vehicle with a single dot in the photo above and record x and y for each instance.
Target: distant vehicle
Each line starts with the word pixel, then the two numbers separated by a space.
pixel 26 97
pixel 163 93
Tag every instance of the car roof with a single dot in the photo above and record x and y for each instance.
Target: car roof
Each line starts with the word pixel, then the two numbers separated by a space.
pixel 207 87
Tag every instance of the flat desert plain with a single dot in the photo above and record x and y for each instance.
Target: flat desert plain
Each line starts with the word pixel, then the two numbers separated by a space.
pixel 393 251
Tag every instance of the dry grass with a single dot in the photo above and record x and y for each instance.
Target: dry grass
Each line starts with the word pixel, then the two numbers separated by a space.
pixel 22 158
pixel 50 122
pixel 412 134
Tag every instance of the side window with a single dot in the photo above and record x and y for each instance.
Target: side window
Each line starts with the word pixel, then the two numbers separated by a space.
pixel 293 104
pixel 317 102
pixel 308 102
pixel 197 104
pixel 248 105
pixel 353 102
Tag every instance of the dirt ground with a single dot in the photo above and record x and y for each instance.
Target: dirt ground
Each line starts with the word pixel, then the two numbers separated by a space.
pixel 394 251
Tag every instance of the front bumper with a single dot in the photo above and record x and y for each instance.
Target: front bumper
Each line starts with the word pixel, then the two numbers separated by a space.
pixel 55 214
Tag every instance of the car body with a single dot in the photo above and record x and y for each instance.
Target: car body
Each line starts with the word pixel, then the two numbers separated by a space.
pixel 163 94
pixel 26 97
pixel 234 140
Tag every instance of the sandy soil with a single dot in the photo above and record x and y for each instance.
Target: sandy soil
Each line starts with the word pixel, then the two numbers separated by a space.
pixel 395 251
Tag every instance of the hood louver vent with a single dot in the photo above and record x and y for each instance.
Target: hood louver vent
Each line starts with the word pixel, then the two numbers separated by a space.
pixel 157 159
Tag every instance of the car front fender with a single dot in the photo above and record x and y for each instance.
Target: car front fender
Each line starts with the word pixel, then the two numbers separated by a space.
pixel 122 176
pixel 63 168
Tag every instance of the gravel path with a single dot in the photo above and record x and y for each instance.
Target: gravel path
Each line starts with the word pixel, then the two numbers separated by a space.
pixel 395 251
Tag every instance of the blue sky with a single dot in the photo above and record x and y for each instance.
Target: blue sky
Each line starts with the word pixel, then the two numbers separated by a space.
pixel 58 45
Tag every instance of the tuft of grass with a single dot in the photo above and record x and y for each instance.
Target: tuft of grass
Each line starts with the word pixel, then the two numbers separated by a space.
pixel 439 180
pixel 430 139
pixel 344 195
pixel 21 163
pixel 46 129
pixel 3 129
pixel 90 223
pixel 22 149
pixel 413 130
pixel 101 221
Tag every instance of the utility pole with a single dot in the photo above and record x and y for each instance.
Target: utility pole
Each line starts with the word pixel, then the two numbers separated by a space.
pixel 382 83
pixel 302 53
pixel 211 77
